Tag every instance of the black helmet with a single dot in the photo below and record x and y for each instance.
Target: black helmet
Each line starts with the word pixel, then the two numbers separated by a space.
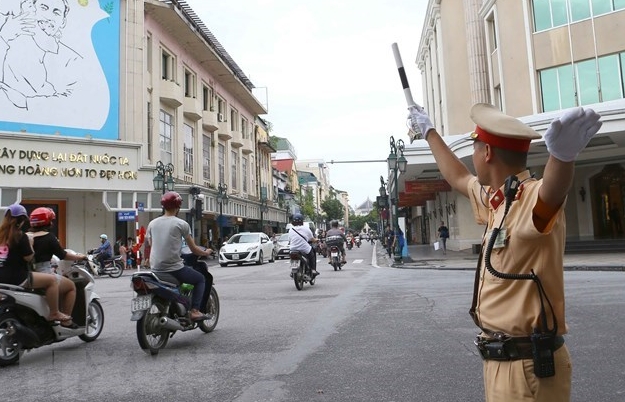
pixel 297 219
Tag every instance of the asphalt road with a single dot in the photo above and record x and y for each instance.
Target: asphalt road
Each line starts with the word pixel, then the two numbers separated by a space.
pixel 360 334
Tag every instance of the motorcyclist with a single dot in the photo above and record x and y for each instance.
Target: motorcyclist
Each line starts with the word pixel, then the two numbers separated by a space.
pixel 15 254
pixel 104 252
pixel 300 238
pixel 336 237
pixel 46 245
pixel 165 235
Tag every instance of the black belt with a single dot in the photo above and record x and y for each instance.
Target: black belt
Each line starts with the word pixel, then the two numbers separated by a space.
pixel 510 349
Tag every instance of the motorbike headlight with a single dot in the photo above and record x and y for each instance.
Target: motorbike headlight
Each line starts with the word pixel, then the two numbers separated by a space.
pixel 3 297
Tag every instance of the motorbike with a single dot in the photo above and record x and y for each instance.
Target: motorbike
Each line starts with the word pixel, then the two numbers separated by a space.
pixel 350 244
pixel 161 306
pixel 113 267
pixel 321 248
pixel 23 316
pixel 335 253
pixel 300 270
pixel 358 242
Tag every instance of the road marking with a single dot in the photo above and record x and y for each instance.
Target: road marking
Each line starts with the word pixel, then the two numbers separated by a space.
pixel 358 261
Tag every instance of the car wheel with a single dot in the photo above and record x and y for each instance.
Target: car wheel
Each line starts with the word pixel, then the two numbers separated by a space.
pixel 223 264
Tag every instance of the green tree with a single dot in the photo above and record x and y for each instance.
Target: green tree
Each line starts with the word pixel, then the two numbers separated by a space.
pixel 333 208
pixel 307 203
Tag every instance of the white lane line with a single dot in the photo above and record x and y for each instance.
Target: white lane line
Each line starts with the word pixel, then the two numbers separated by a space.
pixel 358 261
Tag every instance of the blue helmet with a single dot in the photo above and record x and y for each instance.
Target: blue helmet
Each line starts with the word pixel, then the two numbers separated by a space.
pixel 16 210
pixel 297 219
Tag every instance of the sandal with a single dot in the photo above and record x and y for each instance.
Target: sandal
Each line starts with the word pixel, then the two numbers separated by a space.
pixel 69 323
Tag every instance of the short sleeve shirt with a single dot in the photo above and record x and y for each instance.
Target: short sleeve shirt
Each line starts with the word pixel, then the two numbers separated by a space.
pixel 165 235
pixel 300 243
pixel 508 305
pixel 46 246
pixel 13 267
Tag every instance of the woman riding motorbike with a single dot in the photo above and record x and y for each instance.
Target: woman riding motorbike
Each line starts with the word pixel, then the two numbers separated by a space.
pixel 15 254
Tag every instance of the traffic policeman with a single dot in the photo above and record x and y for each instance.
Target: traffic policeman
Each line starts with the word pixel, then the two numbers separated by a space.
pixel 518 300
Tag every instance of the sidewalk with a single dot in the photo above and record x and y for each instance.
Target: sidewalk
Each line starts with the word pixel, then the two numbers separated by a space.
pixel 424 257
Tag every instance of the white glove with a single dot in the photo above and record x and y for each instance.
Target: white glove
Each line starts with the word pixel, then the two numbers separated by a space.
pixel 568 135
pixel 419 121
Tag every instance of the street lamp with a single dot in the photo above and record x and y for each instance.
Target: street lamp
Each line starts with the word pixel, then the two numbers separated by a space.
pixel 396 164
pixel 222 198
pixel 263 209
pixel 164 179
pixel 382 201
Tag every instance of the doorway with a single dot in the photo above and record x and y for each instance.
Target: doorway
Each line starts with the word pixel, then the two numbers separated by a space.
pixel 607 189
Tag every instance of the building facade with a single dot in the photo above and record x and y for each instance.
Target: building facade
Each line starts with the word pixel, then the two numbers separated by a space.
pixel 160 89
pixel 532 59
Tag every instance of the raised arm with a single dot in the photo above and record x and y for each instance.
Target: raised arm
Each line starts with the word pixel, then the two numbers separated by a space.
pixel 452 169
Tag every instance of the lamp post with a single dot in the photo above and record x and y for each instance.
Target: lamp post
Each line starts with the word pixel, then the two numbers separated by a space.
pixel 164 179
pixel 397 164
pixel 382 201
pixel 222 198
pixel 263 209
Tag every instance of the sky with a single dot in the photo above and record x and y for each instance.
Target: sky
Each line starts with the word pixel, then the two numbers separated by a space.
pixel 329 76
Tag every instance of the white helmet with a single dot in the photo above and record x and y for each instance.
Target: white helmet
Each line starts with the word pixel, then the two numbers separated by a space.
pixel 103 236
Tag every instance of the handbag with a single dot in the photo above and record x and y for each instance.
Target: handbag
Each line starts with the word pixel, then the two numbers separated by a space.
pixel 437 245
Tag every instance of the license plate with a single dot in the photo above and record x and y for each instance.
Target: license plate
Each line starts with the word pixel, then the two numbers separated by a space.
pixel 335 254
pixel 294 264
pixel 140 303
pixel 235 256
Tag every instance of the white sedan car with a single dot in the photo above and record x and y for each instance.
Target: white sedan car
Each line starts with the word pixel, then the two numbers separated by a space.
pixel 246 247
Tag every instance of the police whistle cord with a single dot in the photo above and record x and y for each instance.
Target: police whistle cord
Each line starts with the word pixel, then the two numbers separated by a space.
pixel 510 190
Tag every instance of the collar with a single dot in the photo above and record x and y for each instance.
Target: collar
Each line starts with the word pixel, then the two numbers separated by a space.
pixel 498 197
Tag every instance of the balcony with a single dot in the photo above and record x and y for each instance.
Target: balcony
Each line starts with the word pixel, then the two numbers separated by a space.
pixel 248 146
pixel 171 93
pixel 223 129
pixel 192 108
pixel 209 120
pixel 237 139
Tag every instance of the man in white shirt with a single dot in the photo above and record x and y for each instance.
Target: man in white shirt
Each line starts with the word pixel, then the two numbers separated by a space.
pixel 300 237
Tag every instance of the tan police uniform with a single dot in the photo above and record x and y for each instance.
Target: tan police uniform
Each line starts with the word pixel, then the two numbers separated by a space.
pixel 513 306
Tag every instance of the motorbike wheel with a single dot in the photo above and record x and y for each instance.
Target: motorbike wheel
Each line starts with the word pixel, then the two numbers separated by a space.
pixel 212 308
pixel 299 278
pixel 336 264
pixel 274 256
pixel 10 348
pixel 116 270
pixel 95 322
pixel 150 335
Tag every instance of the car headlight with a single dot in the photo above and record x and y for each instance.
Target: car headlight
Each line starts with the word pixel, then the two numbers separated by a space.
pixel 252 248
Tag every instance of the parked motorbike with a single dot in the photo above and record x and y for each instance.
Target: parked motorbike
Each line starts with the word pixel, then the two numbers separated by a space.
pixel 161 306
pixel 23 316
pixel 300 270
pixel 113 267
pixel 335 254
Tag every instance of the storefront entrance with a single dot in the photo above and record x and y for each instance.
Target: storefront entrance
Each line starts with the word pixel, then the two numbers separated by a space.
pixel 607 194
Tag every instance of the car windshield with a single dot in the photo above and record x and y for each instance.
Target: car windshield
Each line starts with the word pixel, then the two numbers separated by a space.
pixel 284 237
pixel 244 238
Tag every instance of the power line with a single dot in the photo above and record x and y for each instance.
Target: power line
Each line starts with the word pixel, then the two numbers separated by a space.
pixel 360 161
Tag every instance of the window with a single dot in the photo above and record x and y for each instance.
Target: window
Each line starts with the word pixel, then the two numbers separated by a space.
pixel 221 163
pixel 168 65
pixel 207 145
pixel 234 161
pixel 560 85
pixel 554 13
pixel 189 83
pixel 221 108
pixel 244 169
pixel 148 52
pixel 150 132
pixel 492 32
pixel 234 120
pixel 188 149
pixel 166 133
pixel 208 102
pixel 244 129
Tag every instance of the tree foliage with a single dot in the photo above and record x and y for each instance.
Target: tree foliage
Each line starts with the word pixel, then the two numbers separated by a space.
pixel 333 208
pixel 307 204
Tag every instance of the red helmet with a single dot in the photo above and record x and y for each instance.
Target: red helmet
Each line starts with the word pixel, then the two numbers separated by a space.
pixel 42 216
pixel 171 200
